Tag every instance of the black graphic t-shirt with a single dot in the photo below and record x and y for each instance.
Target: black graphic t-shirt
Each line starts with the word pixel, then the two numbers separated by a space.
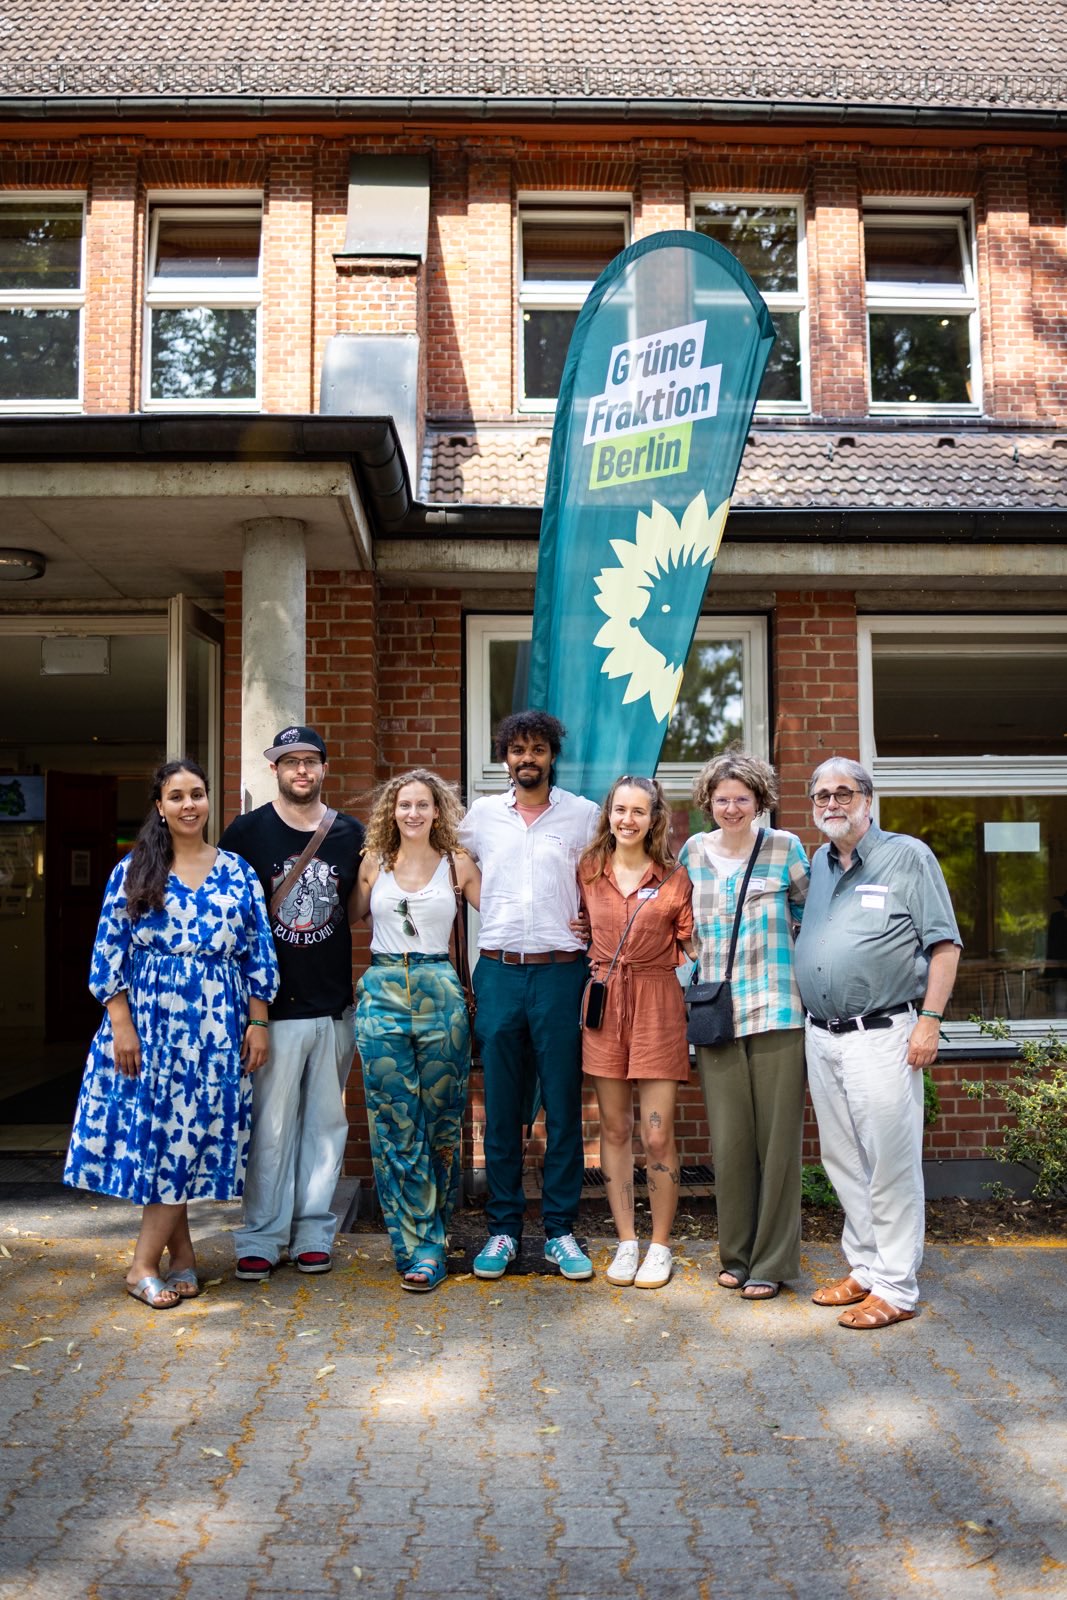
pixel 311 932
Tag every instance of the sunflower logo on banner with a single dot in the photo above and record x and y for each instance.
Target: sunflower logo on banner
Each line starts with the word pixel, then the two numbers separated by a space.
pixel 655 405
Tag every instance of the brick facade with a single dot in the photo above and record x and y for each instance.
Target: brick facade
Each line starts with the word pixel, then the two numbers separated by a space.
pixel 385 664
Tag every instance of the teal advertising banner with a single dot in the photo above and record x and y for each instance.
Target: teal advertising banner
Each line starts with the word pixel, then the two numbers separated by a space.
pixel 654 408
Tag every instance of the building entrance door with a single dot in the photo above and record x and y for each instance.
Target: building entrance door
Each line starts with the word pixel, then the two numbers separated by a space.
pixel 82 813
pixel 92 706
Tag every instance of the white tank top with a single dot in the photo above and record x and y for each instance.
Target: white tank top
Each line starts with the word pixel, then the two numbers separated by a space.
pixel 430 911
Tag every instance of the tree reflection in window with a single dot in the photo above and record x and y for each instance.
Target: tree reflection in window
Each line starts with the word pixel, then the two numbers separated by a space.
pixel 203 354
pixel 709 713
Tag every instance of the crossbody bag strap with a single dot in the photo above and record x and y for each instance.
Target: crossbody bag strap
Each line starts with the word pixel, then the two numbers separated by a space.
pixel 757 847
pixel 329 817
pixel 629 925
pixel 463 966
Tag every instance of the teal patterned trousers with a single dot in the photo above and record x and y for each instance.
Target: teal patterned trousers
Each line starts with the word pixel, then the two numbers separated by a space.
pixel 414 1042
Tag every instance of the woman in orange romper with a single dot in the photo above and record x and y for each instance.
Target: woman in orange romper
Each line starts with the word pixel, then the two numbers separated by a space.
pixel 627 869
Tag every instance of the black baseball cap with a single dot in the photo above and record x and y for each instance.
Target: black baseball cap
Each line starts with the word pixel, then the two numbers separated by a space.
pixel 296 742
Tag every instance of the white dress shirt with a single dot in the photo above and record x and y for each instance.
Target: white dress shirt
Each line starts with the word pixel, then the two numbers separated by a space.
pixel 529 873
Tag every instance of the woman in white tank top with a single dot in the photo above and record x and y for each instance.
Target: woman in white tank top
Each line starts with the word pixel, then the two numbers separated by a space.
pixel 412 1028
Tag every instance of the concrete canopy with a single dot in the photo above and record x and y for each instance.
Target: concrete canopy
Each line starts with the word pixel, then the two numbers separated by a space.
pixel 132 508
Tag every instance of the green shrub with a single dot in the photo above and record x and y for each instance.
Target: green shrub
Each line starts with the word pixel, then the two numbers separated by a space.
pixel 1036 1096
pixel 931 1100
pixel 816 1188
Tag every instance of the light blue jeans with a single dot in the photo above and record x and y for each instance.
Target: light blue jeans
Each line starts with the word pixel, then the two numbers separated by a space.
pixel 299 1128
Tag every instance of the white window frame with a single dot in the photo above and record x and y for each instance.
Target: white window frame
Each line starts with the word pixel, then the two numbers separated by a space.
pixel 959 775
pixel 49 299
pixel 906 299
pixel 778 299
pixel 489 777
pixel 178 294
pixel 563 294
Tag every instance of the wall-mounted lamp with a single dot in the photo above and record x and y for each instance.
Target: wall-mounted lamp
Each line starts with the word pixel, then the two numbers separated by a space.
pixel 16 566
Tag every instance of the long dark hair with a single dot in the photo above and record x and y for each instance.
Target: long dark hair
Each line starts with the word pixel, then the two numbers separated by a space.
pixel 153 850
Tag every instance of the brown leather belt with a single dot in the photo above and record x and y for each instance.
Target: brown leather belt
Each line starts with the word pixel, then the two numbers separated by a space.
pixel 538 958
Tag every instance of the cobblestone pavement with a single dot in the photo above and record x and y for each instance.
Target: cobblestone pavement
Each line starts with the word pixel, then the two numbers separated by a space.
pixel 335 1436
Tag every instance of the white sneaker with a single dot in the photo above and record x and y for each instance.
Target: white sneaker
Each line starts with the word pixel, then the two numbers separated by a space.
pixel 623 1269
pixel 655 1269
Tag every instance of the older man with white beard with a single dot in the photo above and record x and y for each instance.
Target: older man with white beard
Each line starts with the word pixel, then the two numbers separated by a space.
pixel 876 959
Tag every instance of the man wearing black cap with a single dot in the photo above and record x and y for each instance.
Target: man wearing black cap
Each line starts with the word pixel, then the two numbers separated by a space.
pixel 306 856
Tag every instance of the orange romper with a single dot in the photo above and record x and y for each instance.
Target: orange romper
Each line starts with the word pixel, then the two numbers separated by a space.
pixel 643 1032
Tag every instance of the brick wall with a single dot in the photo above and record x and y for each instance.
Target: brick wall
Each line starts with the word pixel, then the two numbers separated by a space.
pixel 385 663
pixel 464 299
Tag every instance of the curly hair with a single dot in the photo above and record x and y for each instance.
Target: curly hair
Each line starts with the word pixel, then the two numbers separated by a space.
pixel 532 724
pixel 153 850
pixel 383 835
pixel 756 775
pixel 600 849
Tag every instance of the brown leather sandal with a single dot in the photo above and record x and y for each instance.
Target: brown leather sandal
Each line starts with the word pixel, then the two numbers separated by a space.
pixel 843 1293
pixel 873 1313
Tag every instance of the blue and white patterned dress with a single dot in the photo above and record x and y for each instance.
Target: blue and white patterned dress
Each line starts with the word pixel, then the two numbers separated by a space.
pixel 179 1130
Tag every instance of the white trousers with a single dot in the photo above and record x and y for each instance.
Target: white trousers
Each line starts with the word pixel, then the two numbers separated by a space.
pixel 869 1106
pixel 299 1129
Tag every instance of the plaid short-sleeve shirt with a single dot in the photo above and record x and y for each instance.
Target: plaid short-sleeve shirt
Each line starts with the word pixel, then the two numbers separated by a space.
pixel 765 993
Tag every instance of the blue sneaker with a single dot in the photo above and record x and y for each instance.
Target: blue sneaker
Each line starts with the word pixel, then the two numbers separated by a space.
pixel 493 1260
pixel 565 1253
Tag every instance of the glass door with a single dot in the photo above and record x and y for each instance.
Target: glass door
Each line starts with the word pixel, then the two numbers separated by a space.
pixel 194 693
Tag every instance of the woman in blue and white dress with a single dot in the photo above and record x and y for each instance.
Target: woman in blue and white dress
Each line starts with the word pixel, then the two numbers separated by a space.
pixel 412 1030
pixel 184 967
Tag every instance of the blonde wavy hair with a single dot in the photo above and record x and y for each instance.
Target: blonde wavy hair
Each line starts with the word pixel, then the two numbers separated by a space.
pixel 383 835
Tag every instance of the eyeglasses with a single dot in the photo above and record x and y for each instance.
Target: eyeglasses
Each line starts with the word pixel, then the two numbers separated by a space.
pixel 294 763
pixel 406 922
pixel 742 802
pixel 843 796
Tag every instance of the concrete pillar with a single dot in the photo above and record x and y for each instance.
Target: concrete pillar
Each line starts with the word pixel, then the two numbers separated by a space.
pixel 273 645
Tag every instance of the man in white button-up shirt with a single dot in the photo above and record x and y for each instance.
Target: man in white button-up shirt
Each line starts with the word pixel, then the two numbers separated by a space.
pixel 529 982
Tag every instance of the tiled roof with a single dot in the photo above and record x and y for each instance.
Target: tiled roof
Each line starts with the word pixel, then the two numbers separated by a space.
pixel 791 469
pixel 961 53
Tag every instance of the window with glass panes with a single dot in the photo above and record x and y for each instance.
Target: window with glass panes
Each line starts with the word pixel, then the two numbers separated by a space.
pixel 964 724
pixel 922 311
pixel 202 306
pixel 563 251
pixel 41 300
pixel 723 697
pixel 767 237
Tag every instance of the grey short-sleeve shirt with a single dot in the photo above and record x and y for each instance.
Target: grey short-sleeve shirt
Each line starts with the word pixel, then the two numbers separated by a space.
pixel 866 934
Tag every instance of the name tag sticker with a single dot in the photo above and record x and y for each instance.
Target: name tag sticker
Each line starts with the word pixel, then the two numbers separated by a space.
pixel 875 901
pixel 552 838
pixel 757 885
pixel 647 894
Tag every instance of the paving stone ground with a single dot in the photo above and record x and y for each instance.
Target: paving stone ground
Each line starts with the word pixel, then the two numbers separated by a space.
pixel 335 1436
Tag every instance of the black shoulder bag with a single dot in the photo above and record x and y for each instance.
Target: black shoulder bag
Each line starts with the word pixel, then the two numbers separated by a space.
pixel 711 1005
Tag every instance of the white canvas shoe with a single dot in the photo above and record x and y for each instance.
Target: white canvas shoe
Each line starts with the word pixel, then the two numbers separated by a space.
pixel 623 1269
pixel 655 1269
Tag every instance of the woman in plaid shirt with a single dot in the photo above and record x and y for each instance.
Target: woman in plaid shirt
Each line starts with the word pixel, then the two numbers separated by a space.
pixel 753 1087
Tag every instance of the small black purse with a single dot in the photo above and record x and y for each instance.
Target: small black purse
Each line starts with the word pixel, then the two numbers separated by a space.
pixel 711 1013
pixel 711 1005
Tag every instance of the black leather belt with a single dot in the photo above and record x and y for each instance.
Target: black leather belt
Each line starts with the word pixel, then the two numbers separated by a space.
pixel 873 1019
pixel 538 958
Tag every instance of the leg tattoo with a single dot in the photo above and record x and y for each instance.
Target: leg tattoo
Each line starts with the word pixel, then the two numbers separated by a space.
pixel 674 1174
